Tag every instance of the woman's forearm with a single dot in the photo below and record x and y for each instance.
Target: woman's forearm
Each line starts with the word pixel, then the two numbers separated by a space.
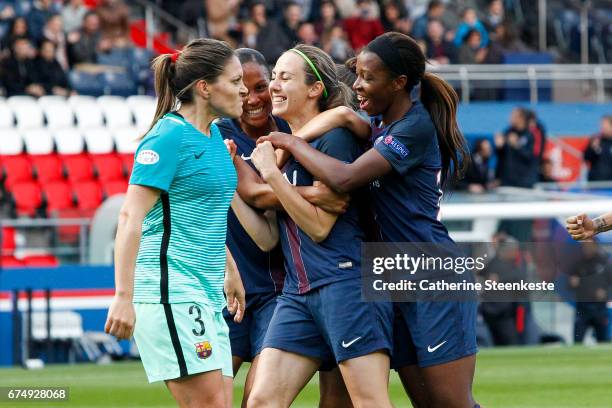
pixel 341 116
pixel 261 228
pixel 127 243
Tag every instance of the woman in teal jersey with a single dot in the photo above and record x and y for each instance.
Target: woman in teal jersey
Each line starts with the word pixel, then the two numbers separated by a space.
pixel 171 262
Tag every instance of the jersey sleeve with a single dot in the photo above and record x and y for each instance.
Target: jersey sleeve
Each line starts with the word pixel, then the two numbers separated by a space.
pixel 156 160
pixel 340 144
pixel 402 151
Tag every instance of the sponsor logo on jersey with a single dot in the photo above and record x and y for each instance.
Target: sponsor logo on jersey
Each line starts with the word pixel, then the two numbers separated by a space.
pixel 396 146
pixel 203 349
pixel 147 157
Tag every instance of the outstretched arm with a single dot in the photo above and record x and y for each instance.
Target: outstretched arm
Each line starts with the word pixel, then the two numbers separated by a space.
pixel 338 175
pixel 581 227
pixel 341 116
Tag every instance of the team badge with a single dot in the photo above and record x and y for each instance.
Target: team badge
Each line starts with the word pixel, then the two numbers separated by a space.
pixel 203 349
pixel 147 157
pixel 396 146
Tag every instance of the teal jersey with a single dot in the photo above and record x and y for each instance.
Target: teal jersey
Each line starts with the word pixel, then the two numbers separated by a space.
pixel 182 249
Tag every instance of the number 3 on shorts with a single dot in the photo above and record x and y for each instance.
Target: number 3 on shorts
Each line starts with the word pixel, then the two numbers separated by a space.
pixel 195 309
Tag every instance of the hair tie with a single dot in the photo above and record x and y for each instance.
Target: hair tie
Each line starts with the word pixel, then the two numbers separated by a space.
pixel 312 66
pixel 174 56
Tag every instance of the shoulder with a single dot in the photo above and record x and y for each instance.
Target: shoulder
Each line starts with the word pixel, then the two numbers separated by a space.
pixel 416 122
pixel 167 129
pixel 225 126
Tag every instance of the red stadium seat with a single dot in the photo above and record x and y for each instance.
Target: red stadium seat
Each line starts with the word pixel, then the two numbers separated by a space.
pixel 27 197
pixel 48 168
pixel 16 169
pixel 78 167
pixel 40 261
pixel 8 241
pixel 10 262
pixel 58 195
pixel 88 194
pixel 108 166
pixel 113 187
pixel 128 163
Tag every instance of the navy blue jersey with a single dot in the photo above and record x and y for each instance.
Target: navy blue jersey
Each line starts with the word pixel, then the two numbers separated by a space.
pixel 260 271
pixel 310 265
pixel 407 200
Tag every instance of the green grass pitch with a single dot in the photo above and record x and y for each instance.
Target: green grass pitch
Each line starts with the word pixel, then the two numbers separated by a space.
pixel 539 377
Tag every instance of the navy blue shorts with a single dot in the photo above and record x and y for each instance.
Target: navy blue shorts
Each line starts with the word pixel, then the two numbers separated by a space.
pixel 247 337
pixel 331 323
pixel 431 333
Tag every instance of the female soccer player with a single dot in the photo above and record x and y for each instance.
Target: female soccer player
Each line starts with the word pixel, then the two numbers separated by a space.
pixel 319 319
pixel 170 253
pixel 417 145
pixel 260 260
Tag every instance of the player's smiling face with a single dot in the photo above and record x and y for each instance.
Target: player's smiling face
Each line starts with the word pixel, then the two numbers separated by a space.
pixel 256 105
pixel 226 91
pixel 288 89
pixel 373 84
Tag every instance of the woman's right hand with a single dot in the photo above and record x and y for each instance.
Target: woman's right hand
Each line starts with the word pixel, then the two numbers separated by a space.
pixel 329 200
pixel 121 318
pixel 580 227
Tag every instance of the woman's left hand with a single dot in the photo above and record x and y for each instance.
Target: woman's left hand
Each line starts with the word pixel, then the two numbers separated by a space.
pixel 264 158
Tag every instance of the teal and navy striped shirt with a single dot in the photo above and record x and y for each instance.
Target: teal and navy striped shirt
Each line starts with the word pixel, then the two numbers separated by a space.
pixel 182 249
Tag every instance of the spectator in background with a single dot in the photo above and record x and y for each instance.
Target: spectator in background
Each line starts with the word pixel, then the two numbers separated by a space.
pixel 114 22
pixel 438 48
pixel 265 34
pixel 334 43
pixel 537 129
pixel 19 71
pixel 547 171
pixel 517 164
pixel 590 278
pixel 435 11
pixel 18 29
pixel 395 18
pixel 362 27
pixel 470 22
pixel 329 17
pixel 478 177
pixel 221 18
pixel 307 34
pixel 346 8
pixel 599 152
pixel 292 18
pixel 471 51
pixel 85 44
pixel 49 73
pixel 494 15
pixel 7 15
pixel 54 31
pixel 73 13
pixel 38 16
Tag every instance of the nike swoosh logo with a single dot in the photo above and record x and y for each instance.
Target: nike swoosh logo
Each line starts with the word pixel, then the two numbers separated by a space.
pixel 245 158
pixel 432 349
pixel 347 345
pixel 197 156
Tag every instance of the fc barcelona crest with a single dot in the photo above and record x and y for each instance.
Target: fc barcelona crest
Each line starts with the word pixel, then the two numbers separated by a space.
pixel 203 349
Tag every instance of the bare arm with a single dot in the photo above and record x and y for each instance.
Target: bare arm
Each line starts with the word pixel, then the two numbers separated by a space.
pixel 262 228
pixel 340 176
pixel 581 227
pixel 233 288
pixel 138 202
pixel 315 222
pixel 341 116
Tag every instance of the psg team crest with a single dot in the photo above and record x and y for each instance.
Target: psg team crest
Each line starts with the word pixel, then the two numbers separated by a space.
pixel 203 349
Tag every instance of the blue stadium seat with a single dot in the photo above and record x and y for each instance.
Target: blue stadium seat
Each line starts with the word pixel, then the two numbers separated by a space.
pixel 120 84
pixel 86 83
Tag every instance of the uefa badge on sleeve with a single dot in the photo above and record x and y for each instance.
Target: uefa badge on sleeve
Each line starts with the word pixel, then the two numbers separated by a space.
pixel 203 349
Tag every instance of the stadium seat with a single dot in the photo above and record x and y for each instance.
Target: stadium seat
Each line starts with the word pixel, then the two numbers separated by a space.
pixel 16 169
pixel 47 168
pixel 8 241
pixel 10 262
pixel 118 83
pixel 78 167
pixel 126 139
pixel 87 111
pixel 99 141
pixel 27 197
pixel 58 197
pixel 68 141
pixel 6 115
pixel 27 112
pixel 108 166
pixel 58 113
pixel 40 261
pixel 86 83
pixel 116 111
pixel 143 108
pixel 117 57
pixel 12 142
pixel 38 141
pixel 110 188
pixel 88 195
pixel 128 163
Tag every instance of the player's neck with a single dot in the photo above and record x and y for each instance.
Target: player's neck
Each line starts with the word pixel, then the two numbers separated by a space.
pixel 397 109
pixel 299 120
pixel 199 117
pixel 256 132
